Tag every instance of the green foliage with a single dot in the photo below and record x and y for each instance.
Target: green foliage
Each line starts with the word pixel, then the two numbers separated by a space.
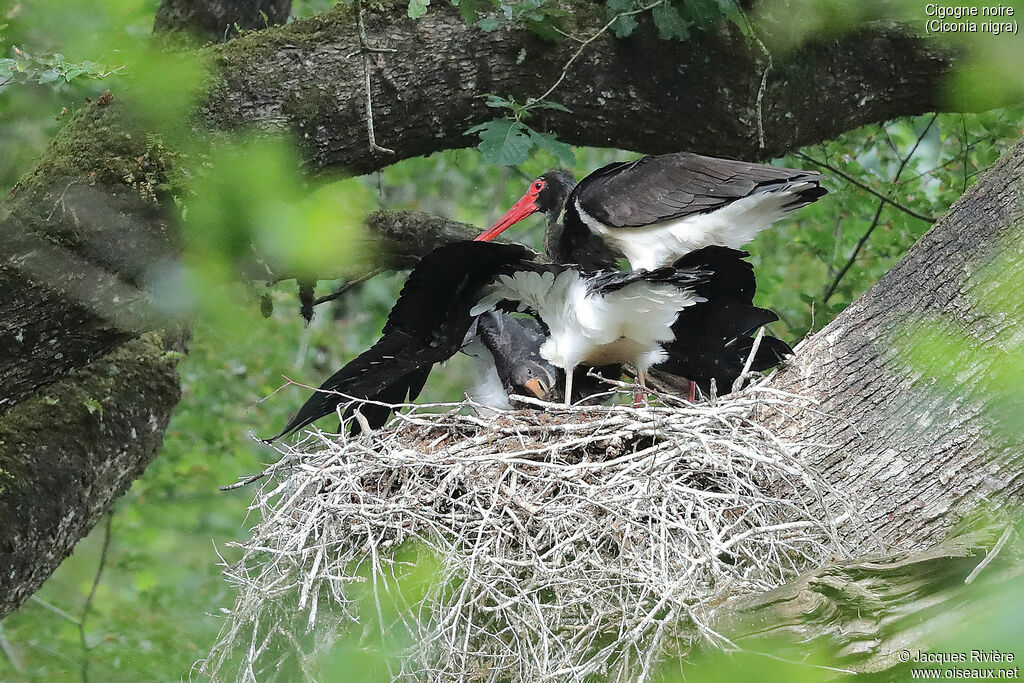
pixel 798 260
pixel 670 21
pixel 509 141
pixel 250 196
pixel 673 19
pixel 25 68
pixel 417 8
pixel 623 26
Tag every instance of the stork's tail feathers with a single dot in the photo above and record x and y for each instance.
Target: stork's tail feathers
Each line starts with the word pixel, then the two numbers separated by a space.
pixel 804 191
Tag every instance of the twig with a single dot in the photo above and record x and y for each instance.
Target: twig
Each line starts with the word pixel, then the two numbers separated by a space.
pixel 5 646
pixel 583 46
pixel 739 381
pixel 244 481
pixel 761 89
pixel 365 50
pixel 56 610
pixel 991 555
pixel 87 607
pixel 830 290
pixel 347 286
pixel 853 181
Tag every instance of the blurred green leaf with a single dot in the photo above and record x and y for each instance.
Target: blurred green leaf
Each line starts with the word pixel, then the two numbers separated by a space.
pixel 417 8
pixel 251 194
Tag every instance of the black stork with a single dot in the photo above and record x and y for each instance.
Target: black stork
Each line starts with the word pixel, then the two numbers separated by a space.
pixel 507 354
pixel 506 349
pixel 590 319
pixel 713 339
pixel 658 208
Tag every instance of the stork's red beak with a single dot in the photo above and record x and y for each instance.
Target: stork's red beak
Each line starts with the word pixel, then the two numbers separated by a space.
pixel 520 210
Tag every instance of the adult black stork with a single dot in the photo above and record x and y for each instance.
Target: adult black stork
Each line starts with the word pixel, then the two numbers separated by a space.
pixel 590 319
pixel 713 339
pixel 658 208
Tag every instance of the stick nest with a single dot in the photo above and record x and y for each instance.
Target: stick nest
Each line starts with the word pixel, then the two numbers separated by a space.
pixel 568 542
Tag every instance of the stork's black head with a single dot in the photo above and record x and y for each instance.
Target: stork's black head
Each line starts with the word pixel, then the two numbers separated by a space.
pixel 547 194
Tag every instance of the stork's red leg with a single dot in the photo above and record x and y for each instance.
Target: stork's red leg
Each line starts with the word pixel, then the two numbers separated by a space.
pixel 693 391
pixel 641 389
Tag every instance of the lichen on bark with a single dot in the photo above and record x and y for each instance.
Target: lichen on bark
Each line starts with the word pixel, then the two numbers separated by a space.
pixel 68 451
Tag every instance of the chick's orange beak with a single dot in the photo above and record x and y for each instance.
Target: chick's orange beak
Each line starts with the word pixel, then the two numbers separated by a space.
pixel 536 387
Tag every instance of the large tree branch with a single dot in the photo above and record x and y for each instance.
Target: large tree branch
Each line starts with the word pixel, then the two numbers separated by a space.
pixel 915 452
pixel 71 449
pixel 220 20
pixel 642 93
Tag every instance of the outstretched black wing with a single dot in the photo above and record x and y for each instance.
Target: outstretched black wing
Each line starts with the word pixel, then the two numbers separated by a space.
pixel 426 325
pixel 714 338
pixel 669 186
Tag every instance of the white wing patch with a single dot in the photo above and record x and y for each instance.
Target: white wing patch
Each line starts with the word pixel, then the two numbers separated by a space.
pixel 660 244
pixel 625 326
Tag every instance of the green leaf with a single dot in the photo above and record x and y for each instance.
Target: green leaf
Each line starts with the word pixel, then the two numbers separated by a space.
pixel 552 144
pixel 93 406
pixel 492 100
pixel 417 8
pixel 545 104
pixel 471 9
pixel 623 26
pixel 48 76
pixel 701 12
pixel 504 142
pixel 731 10
pixel 670 23
pixel 488 24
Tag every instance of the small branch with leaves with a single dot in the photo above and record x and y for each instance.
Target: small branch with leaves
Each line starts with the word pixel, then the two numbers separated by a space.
pixel 830 289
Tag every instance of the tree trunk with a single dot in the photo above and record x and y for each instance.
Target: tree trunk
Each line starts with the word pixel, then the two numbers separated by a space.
pixel 920 447
pixel 82 233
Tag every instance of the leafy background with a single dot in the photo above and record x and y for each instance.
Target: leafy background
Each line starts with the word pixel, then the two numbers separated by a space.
pixel 156 603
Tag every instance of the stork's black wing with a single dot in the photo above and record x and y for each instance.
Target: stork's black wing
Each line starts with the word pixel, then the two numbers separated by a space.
pixel 426 325
pixel 714 338
pixel 660 188
pixel 683 277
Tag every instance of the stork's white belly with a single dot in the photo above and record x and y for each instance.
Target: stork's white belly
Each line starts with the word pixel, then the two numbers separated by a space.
pixel 624 350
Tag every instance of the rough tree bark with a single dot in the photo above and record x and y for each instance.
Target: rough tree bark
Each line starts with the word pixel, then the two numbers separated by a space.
pixel 220 20
pixel 916 454
pixel 85 230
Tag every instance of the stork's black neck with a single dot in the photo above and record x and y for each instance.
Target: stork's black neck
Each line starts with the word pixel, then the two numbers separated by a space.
pixel 573 242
